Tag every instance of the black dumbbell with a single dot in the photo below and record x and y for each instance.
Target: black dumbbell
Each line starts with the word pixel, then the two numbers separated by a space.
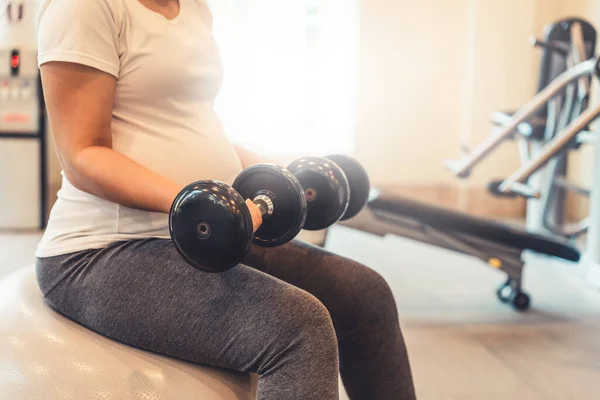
pixel 336 189
pixel 358 181
pixel 211 225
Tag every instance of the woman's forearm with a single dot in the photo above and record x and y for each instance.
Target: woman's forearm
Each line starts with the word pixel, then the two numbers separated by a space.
pixel 80 102
pixel 110 175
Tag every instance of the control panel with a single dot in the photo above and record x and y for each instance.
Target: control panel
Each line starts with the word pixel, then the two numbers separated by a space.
pixel 22 141
pixel 19 94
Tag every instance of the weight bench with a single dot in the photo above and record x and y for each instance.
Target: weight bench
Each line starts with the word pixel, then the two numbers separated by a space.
pixel 500 246
pixel 557 57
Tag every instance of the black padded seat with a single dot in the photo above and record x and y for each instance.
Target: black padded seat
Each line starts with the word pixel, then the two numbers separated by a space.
pixel 453 221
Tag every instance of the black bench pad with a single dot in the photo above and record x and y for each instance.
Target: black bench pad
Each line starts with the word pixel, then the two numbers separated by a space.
pixel 449 220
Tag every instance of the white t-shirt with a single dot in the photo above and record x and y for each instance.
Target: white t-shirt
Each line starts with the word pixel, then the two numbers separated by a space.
pixel 168 74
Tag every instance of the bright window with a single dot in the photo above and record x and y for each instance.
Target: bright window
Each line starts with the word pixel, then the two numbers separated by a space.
pixel 290 73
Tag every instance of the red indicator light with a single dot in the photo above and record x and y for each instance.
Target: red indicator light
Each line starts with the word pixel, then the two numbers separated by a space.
pixel 14 61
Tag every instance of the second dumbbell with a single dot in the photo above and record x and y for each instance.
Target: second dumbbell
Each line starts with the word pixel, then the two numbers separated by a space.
pixel 336 189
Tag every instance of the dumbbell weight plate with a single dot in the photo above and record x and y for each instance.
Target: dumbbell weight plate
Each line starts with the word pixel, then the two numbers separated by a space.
pixel 326 190
pixel 289 204
pixel 358 181
pixel 210 226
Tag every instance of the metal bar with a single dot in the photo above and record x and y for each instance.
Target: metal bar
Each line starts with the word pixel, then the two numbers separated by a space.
pixel 454 241
pixel 383 223
pixel 572 230
pixel 511 258
pixel 563 183
pixel 586 137
pixel 550 150
pixel 579 55
pixel 536 42
pixel 526 191
pixel 12 135
pixel 463 167
pixel 567 108
pixel 524 150
pixel 484 250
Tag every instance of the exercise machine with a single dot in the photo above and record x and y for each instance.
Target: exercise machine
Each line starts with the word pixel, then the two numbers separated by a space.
pixel 563 95
pixel 574 133
pixel 567 43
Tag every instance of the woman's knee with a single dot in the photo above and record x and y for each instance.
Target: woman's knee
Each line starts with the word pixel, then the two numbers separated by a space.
pixel 304 329
pixel 375 289
pixel 368 298
pixel 308 317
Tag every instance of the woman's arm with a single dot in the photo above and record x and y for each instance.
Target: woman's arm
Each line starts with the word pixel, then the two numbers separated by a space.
pixel 80 101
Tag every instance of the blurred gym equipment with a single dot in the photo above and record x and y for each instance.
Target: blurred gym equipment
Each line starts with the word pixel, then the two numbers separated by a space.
pixel 23 171
pixel 499 245
pixel 555 121
pixel 325 188
pixel 336 188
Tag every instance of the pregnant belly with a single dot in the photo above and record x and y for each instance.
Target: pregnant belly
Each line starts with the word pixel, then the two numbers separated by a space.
pixel 184 158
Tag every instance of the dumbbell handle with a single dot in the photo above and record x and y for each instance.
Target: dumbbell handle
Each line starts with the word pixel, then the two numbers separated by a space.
pixel 265 204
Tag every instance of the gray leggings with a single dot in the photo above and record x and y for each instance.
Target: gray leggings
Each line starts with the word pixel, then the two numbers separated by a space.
pixel 296 315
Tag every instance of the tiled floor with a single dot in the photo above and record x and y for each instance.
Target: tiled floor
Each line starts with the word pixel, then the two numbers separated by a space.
pixel 464 344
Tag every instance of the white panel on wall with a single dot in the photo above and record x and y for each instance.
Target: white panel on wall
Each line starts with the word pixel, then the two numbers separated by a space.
pixel 19 184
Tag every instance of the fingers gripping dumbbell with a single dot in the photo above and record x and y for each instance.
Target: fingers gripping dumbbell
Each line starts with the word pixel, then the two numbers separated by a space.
pixel 336 189
pixel 211 225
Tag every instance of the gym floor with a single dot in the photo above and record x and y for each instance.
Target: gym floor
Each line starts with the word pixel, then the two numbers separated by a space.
pixel 463 343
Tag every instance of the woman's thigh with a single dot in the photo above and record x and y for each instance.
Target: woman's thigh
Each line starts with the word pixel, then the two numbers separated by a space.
pixel 374 361
pixel 143 294
pixel 353 293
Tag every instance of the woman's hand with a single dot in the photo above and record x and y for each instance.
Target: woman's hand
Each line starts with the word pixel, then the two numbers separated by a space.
pixel 256 215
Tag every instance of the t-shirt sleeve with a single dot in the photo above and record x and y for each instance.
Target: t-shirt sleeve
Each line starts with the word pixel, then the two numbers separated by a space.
pixel 79 31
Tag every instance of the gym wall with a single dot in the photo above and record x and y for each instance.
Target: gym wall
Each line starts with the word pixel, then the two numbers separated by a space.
pixel 430 74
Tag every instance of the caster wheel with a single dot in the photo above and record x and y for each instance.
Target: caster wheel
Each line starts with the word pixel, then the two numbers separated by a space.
pixel 504 293
pixel 520 301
